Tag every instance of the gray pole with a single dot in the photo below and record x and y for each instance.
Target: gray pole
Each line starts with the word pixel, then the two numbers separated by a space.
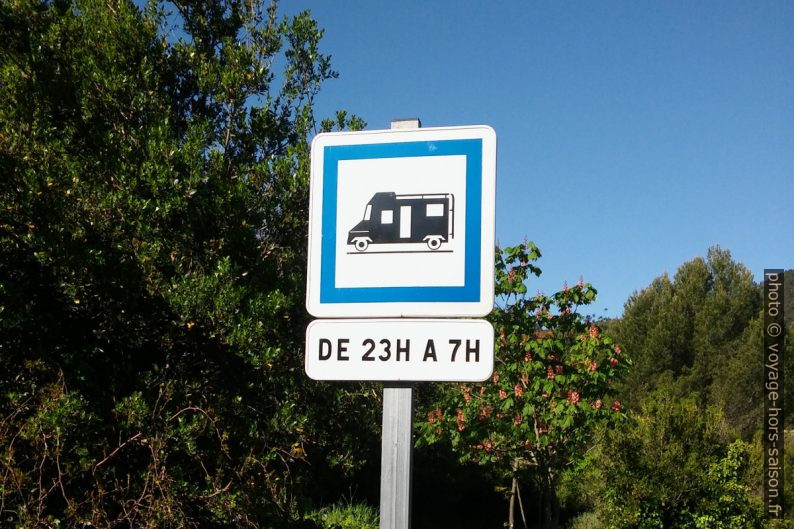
pixel 397 442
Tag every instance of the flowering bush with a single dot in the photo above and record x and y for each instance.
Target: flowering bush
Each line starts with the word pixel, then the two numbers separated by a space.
pixel 554 370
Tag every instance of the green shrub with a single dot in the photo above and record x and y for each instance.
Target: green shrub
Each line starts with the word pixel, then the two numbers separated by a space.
pixel 588 520
pixel 346 516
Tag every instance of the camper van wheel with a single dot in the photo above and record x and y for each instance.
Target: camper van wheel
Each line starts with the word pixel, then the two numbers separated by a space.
pixel 361 244
pixel 434 243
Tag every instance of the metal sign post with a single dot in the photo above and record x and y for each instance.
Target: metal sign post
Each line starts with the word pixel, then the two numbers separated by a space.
pixel 401 243
pixel 396 457
pixel 396 460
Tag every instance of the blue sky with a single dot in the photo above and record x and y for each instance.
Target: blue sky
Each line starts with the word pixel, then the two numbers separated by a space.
pixel 632 135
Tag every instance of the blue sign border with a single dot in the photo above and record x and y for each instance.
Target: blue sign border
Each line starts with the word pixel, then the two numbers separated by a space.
pixel 470 291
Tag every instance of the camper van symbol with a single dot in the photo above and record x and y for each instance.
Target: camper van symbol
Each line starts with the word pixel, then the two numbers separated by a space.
pixel 390 218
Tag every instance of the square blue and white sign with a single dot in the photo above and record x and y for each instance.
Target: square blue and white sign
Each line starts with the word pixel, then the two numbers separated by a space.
pixel 401 223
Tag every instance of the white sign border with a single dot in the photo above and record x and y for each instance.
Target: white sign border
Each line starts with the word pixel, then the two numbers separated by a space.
pixel 320 309
pixel 441 369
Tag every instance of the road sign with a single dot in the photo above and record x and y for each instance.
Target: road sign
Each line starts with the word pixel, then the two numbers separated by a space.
pixel 401 223
pixel 400 350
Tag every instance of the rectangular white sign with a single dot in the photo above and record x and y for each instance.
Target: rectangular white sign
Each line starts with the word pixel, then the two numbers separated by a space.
pixel 400 350
pixel 401 223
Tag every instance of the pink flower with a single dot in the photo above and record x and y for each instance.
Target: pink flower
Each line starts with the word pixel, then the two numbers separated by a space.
pixel 502 394
pixel 581 282
pixel 558 369
pixel 597 404
pixel 549 373
pixel 617 349
pixel 495 378
pixel 518 390
pixel 565 286
pixel 613 362
pixel 485 412
pixel 434 415
pixel 616 406
pixel 527 357
pixel 573 397
pixel 593 366
pixel 517 419
pixel 461 421
pixel 594 332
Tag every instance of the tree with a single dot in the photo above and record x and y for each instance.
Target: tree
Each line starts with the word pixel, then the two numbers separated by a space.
pixel 685 328
pixel 673 465
pixel 553 372
pixel 738 389
pixel 152 254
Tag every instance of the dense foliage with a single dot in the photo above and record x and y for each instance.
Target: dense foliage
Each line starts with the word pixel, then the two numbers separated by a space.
pixel 684 323
pixel 152 241
pixel 690 453
pixel 553 375
pixel 674 465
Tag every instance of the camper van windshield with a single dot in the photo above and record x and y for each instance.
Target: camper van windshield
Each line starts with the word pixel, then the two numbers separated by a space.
pixel 368 212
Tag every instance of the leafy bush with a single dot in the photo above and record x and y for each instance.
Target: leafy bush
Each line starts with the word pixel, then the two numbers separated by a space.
pixel 588 520
pixel 674 465
pixel 346 515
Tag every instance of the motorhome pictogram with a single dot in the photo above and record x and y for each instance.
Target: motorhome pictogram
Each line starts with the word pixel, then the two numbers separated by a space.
pixel 390 218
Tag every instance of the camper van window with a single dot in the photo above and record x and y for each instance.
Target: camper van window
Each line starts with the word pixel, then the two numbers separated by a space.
pixel 435 210
pixel 386 216
pixel 368 212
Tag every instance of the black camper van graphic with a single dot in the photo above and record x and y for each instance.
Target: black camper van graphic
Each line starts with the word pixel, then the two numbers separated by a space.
pixel 390 218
